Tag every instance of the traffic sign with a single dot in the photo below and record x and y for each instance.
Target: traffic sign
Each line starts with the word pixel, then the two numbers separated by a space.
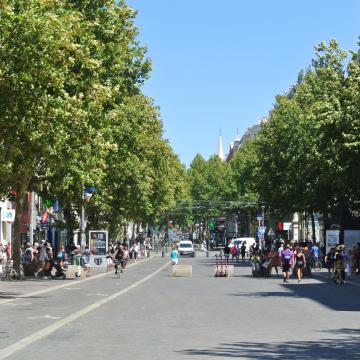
pixel 261 232
pixel 9 215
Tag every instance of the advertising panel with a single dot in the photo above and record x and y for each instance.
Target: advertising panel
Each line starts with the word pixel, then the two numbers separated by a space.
pixel 98 245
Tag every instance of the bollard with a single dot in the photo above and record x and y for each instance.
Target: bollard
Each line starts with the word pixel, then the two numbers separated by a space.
pixel 207 253
pixel 148 254
pixel 163 252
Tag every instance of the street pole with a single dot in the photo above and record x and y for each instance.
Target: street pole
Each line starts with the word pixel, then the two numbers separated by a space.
pixel 31 217
pixel 82 221
pixel 263 222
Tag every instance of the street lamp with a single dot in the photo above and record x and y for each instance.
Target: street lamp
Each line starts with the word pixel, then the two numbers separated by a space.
pixel 86 196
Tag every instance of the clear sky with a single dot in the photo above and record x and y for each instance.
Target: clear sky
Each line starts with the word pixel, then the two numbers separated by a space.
pixel 219 64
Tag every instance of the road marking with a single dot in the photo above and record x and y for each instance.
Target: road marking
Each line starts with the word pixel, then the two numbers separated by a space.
pixel 43 317
pixel 23 343
pixel 98 294
pixel 66 285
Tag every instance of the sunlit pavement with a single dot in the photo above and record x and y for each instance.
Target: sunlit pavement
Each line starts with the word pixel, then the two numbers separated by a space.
pixel 147 314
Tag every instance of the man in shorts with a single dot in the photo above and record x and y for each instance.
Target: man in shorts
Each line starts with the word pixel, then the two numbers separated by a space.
pixel 287 257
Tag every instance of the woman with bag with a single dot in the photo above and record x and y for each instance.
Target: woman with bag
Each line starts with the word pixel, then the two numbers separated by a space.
pixel 300 262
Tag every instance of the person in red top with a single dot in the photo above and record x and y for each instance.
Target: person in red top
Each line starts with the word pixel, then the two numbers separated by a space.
pixel 287 257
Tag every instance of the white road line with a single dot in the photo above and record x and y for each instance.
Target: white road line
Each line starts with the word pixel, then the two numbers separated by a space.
pixel 66 285
pixel 23 343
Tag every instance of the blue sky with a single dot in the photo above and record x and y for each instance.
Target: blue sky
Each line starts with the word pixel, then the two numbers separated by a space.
pixel 219 64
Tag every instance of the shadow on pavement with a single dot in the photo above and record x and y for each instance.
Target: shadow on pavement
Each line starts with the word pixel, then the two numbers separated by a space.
pixel 336 297
pixel 345 346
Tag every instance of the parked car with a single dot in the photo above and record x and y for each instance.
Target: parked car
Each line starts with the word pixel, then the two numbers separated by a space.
pixel 247 241
pixel 186 247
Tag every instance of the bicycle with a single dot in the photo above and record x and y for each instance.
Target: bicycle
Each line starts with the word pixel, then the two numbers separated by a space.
pixel 118 269
pixel 10 274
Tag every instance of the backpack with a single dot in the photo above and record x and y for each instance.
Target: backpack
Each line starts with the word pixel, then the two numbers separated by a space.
pixel 287 258
pixel 83 260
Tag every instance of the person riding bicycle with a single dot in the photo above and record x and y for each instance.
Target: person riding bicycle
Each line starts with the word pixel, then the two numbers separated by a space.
pixel 119 254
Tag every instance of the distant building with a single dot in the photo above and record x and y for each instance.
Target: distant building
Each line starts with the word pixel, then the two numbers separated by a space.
pixel 250 134
pixel 220 152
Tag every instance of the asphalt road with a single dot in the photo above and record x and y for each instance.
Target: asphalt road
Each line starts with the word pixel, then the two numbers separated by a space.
pixel 147 314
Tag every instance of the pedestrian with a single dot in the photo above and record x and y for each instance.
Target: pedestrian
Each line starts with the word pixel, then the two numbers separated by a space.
pixel 300 262
pixel 280 249
pixel 136 250
pixel 233 252
pixel 2 257
pixel 243 252
pixel 174 255
pixel 125 258
pixel 287 262
pixel 85 262
pixel 347 258
pixel 329 261
pixel 109 257
pixel 339 265
pixel 119 255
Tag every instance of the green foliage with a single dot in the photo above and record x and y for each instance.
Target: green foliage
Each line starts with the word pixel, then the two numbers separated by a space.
pixel 308 150
pixel 72 113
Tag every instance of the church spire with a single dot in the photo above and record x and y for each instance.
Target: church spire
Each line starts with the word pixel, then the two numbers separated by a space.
pixel 220 148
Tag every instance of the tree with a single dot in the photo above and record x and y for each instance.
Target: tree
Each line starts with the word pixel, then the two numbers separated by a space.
pixel 64 67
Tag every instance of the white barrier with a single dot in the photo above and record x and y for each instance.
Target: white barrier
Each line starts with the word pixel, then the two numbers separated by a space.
pixel 181 270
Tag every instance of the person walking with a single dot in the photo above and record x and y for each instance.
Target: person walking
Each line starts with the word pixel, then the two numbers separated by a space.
pixel 174 255
pixel 329 261
pixel 300 262
pixel 243 252
pixel 339 264
pixel 136 250
pixel 85 262
pixel 287 262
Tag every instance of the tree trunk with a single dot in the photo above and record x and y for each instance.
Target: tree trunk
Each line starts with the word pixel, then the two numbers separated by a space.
pixel 16 240
pixel 313 227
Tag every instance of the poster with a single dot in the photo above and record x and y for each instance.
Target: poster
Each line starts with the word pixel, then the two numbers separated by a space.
pixel 98 245
pixel 351 238
pixel 332 239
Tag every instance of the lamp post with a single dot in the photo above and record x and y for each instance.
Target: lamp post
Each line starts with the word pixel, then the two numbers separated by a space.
pixel 86 196
pixel 82 221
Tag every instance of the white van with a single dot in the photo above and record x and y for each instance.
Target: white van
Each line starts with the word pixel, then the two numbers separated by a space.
pixel 247 241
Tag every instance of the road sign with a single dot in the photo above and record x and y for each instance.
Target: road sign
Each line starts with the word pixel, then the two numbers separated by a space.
pixel 261 232
pixel 9 215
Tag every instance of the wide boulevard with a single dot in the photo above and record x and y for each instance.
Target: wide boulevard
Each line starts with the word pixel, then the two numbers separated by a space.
pixel 147 314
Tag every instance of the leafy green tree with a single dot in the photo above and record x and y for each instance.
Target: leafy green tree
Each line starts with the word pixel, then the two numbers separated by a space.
pixel 65 68
pixel 244 166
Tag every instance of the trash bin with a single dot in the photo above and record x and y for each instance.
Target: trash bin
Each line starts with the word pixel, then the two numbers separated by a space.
pixel 78 264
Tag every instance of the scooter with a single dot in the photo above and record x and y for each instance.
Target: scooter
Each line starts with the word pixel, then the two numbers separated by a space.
pixel 217 270
pixel 222 270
